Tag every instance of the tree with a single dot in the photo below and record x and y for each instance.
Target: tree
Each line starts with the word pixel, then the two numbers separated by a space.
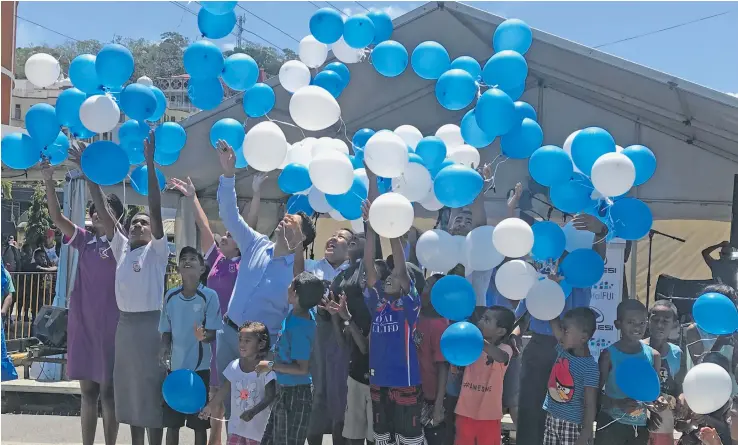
pixel 39 220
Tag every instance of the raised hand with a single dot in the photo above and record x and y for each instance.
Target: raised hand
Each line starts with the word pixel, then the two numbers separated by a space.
pixel 75 152
pixel 293 233
pixel 486 172
pixel 259 179
pixel 584 221
pixel 186 188
pixel 47 171
pixel 150 147
pixel 227 157
pixel 515 198
pixel 365 210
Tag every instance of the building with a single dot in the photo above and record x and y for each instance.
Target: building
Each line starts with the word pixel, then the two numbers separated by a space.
pixel 8 57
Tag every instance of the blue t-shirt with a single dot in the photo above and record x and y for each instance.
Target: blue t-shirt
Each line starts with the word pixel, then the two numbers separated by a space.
pixel 179 316
pixel 613 391
pixel 295 342
pixel 393 357
pixel 580 297
pixel 569 376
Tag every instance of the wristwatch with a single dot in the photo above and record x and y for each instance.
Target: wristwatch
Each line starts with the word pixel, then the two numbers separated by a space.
pixel 271 365
pixel 347 322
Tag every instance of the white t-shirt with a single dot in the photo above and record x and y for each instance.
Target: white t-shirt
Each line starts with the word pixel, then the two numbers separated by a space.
pixel 323 269
pixel 139 275
pixel 247 389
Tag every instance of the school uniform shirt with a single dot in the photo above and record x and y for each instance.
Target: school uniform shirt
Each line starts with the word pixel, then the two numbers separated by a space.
pixel 428 341
pixel 139 275
pixel 569 376
pixel 481 390
pixel 179 316
pixel 612 390
pixel 323 269
pixel 295 342
pixel 580 297
pixel 393 356
pixel 247 390
pixel 222 275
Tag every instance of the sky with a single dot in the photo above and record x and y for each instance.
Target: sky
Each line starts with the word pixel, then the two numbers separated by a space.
pixel 705 52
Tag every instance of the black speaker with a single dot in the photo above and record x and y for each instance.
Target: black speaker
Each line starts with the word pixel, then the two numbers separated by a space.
pixel 50 326
pixel 681 292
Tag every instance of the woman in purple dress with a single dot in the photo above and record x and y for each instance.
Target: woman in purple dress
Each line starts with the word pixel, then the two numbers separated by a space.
pixel 93 312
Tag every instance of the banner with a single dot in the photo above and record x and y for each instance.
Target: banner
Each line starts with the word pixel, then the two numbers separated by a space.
pixel 606 295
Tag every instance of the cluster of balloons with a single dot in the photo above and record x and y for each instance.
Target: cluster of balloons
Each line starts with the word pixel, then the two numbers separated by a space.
pixel 347 40
pixel 216 19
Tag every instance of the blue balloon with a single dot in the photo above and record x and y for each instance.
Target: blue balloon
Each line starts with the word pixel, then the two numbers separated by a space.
pixel 453 297
pixel 430 60
pixel 135 152
pixel 340 69
pixel 105 163
pixel 583 268
pixel 326 25
pixel 524 109
pixel 215 26
pixel 329 81
pixel 67 106
pixel 550 165
pixel 358 31
pixel 389 58
pixel 83 75
pixel 164 159
pixel 240 72
pixel 522 140
pixel 506 69
pixel 206 93
pixel 294 178
pixel 349 204
pixel 715 314
pixel 19 151
pixel 57 152
pixel 42 124
pixel 412 157
pixel 432 150
pixel 515 92
pixel 462 343
pixel 637 379
pixel 457 186
pixel 258 100
pixel 549 241
pixel 456 89
pixel 572 196
pixel 170 137
pixel 161 104
pixel 357 160
pixel 138 101
pixel 495 112
pixel 382 26
pixel 471 133
pixel 230 130
pixel 514 35
pixel 588 145
pixel 446 163
pixel 183 390
pixel 468 64
pixel 297 203
pixel 140 179
pixel 114 65
pixel 566 287
pixel 642 157
pixel 632 219
pixel 203 59
pixel 219 8
pixel 361 137
pixel 240 158
pixel 80 132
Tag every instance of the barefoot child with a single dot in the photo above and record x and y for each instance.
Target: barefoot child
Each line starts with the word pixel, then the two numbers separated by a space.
pixel 251 394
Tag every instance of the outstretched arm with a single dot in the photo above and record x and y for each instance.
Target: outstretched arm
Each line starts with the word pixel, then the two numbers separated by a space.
pixel 104 214
pixel 157 225
pixel 201 220
pixel 479 213
pixel 400 271
pixel 227 205
pixel 62 222
pixel 252 217
pixel 707 253
pixel 371 237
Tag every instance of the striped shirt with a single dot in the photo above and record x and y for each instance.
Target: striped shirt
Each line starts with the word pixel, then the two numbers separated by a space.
pixel 569 376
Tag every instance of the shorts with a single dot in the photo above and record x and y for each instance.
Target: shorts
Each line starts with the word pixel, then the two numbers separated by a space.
pixel 479 432
pixel 560 432
pixel 288 421
pixel 610 432
pixel 511 383
pixel 357 422
pixel 449 405
pixel 175 419
pixel 660 438
pixel 397 415
pixel 234 439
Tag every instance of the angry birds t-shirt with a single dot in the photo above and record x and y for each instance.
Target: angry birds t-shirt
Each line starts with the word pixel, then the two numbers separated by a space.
pixel 569 376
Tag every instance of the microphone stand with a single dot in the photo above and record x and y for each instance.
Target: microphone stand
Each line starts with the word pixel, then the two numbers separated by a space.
pixel 651 233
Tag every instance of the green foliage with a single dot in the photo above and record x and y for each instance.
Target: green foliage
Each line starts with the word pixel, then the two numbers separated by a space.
pixel 7 189
pixel 39 220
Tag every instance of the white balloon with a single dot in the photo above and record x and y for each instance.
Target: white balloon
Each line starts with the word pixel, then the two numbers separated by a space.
pixel 43 70
pixel 301 152
pixel 567 148
pixel 613 174
pixel 545 300
pixel 331 172
pixel 391 215
pixel 357 225
pixel 326 143
pixel 415 183
pixel 465 155
pixel 335 214
pixel 430 202
pixel 99 113
pixel 313 108
pixel 312 53
pixel 345 53
pixel 286 158
pixel 317 201
pixel 361 174
pixel 618 148
pixel 460 241
pixel 450 134
pixel 437 251
pixel 409 134
pixel 514 279
pixel 305 192
pixel 386 155
pixel 294 75
pixel 513 238
pixel 145 80
pixel 480 250
pixel 707 388
pixel 265 146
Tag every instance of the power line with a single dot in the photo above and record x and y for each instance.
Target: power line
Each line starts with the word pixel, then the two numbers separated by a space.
pixel 48 29
pixel 334 7
pixel 668 28
pixel 365 8
pixel 268 23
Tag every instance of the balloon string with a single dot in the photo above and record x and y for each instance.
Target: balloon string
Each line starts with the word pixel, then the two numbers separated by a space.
pixel 494 173
pixel 345 134
pixel 285 123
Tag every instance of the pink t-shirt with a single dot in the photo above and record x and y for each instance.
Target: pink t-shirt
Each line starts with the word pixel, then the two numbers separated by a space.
pixel 481 390
pixel 428 341
pixel 222 276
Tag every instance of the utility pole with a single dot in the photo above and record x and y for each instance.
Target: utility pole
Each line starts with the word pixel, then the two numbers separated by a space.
pixel 239 30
